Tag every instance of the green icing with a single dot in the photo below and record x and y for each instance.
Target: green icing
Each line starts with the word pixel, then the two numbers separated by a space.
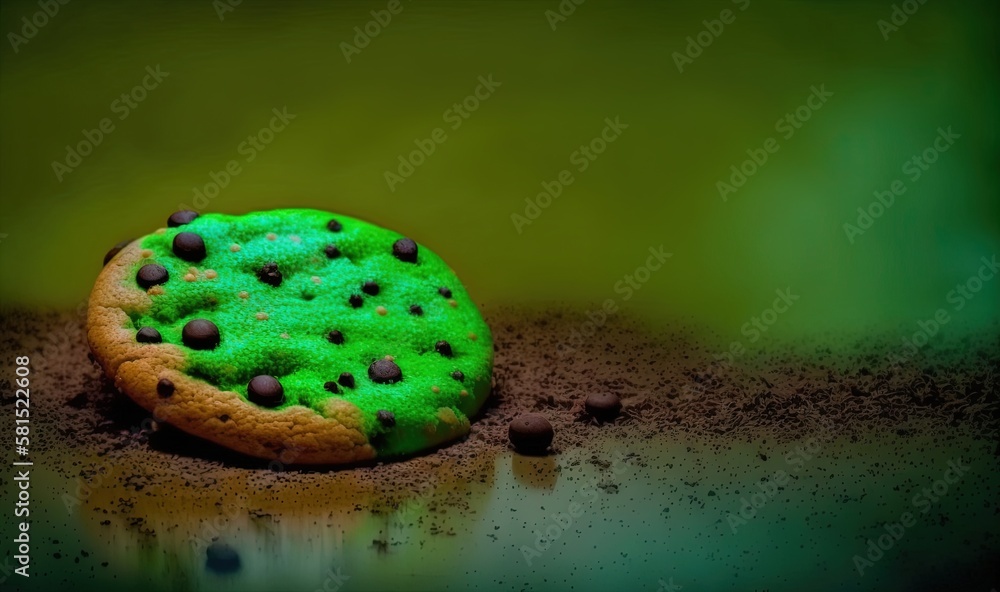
pixel 307 311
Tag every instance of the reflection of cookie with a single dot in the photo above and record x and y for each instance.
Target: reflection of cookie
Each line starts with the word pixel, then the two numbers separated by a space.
pixel 292 335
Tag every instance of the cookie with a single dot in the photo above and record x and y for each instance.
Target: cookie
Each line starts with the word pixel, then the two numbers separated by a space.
pixel 296 335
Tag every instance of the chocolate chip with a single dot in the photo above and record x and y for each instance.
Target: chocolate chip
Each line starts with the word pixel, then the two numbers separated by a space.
pixel 189 246
pixel 444 292
pixel 356 300
pixel 335 337
pixel 346 380
pixel 530 433
pixel 148 335
pixel 334 226
pixel 181 218
pixel 331 386
pixel 386 418
pixel 332 251
pixel 165 387
pixel 384 372
pixel 221 559
pixel 458 375
pixel 604 406
pixel 405 250
pixel 224 418
pixel 266 391
pixel 443 348
pixel 270 274
pixel 151 275
pixel 200 334
pixel 116 249
pixel 370 288
pixel 416 310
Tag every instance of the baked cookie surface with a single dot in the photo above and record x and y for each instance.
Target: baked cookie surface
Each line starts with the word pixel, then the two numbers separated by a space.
pixel 296 335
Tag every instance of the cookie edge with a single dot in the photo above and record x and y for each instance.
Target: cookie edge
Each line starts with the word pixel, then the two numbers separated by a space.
pixel 196 406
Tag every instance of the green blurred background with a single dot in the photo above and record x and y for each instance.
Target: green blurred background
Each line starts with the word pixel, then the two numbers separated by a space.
pixel 655 185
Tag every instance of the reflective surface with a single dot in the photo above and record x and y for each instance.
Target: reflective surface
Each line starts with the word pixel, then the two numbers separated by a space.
pixel 663 520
